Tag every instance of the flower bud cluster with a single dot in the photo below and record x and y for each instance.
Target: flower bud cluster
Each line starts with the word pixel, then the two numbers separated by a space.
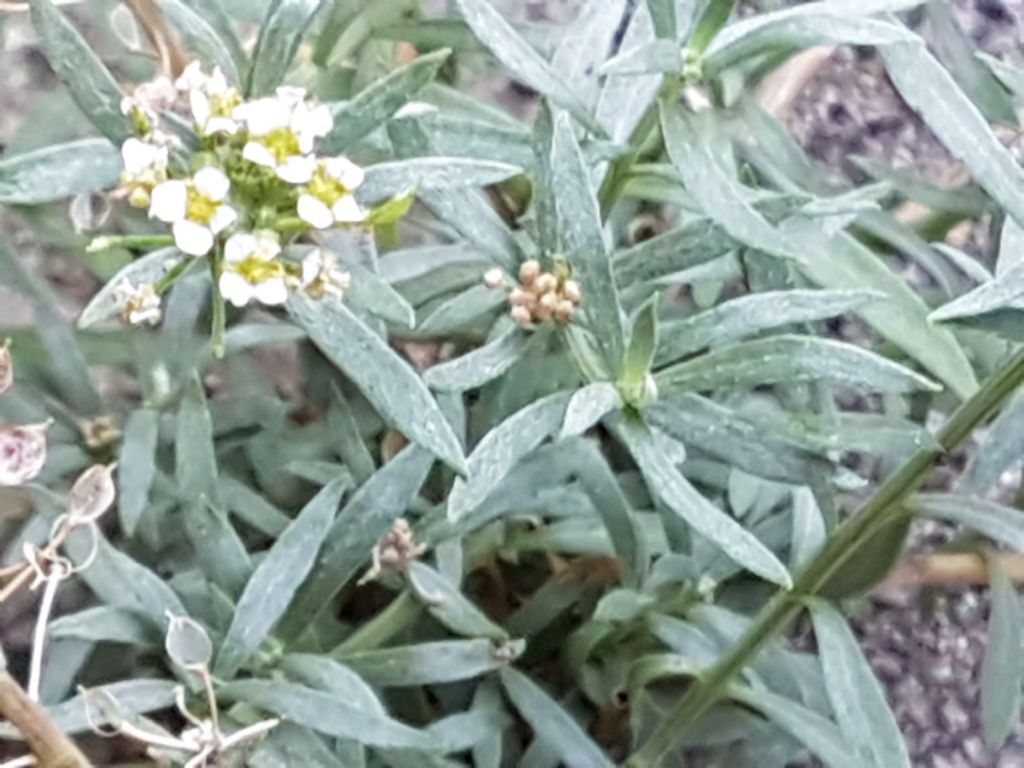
pixel 540 295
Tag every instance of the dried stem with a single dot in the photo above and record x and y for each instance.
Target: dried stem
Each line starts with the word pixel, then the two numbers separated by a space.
pixel 35 675
pixel 50 745
pixel 948 570
pixel 169 52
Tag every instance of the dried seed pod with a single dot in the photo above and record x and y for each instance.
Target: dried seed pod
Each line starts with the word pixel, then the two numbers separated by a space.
pixel 92 494
pixel 494 278
pixel 187 643
pixel 529 271
pixel 545 283
pixel 6 368
pixel 22 453
pixel 571 291
pixel 521 315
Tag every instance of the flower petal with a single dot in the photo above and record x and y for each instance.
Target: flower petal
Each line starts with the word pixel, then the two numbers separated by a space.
pixel 212 182
pixel 199 104
pixel 193 239
pixel 297 170
pixel 255 152
pixel 239 247
pixel 235 288
pixel 273 292
pixel 139 156
pixel 348 210
pixel 314 212
pixel 264 116
pixel 223 218
pixel 349 174
pixel 169 201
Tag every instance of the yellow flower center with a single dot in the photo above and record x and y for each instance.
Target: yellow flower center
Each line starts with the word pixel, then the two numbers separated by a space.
pixel 282 143
pixel 256 270
pixel 224 104
pixel 327 190
pixel 201 209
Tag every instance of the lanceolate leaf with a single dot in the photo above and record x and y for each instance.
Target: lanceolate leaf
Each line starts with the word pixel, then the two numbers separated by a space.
pixel 586 45
pixel 1002 670
pixel 202 39
pixel 444 661
pixel 276 579
pixel 789 359
pixel 376 103
pixel 552 723
pixel 57 172
pixel 579 220
pixel 521 60
pixel 1002 449
pixel 482 365
pixel 90 82
pixel 385 180
pixel 930 90
pixel 857 697
pixel 588 406
pixel 136 468
pixel 643 341
pixel 386 380
pixel 502 448
pixel 1005 291
pixel 998 522
pixel 279 39
pixel 449 606
pixel 666 482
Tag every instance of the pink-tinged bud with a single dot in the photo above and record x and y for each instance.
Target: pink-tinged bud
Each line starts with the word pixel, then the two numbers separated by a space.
pixel 549 301
pixel 92 494
pixel 529 271
pixel 22 453
pixel 546 283
pixel 522 316
pixel 565 310
pixel 520 298
pixel 494 278
pixel 6 368
pixel 571 291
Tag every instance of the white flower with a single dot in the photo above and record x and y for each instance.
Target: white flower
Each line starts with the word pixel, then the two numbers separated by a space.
pixel 211 99
pixel 321 275
pixel 139 305
pixel 147 102
pixel 6 368
pixel 197 209
pixel 145 166
pixel 329 198
pixel 282 132
pixel 253 271
pixel 22 453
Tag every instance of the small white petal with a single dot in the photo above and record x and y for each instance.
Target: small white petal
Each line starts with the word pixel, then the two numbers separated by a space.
pixel 193 239
pixel 345 171
pixel 264 116
pixel 291 94
pixel 192 77
pixel 239 247
pixel 311 265
pixel 348 210
pixel 235 288
pixel 314 212
pixel 297 170
pixel 268 247
pixel 169 201
pixel 199 103
pixel 272 292
pixel 223 218
pixel 217 85
pixel 320 121
pixel 255 152
pixel 221 125
pixel 138 156
pixel 212 183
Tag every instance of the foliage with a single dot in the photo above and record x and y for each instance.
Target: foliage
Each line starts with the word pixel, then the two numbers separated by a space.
pixel 429 454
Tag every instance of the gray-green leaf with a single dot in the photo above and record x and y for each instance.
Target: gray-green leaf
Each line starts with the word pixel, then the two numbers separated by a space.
pixel 136 467
pixel 385 180
pixel 57 172
pixel 283 26
pixel 1002 670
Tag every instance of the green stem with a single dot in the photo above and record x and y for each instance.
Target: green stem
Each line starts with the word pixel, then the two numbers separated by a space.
pixel 132 242
pixel 848 539
pixel 219 309
pixel 399 614
pixel 164 283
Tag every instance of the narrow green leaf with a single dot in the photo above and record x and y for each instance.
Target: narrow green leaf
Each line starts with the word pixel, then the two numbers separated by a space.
pixel 387 381
pixel 663 17
pixel 350 444
pixel 586 44
pixel 283 27
pixel 522 61
pixel 818 733
pixel 252 508
pixel 1005 291
pixel 789 359
pixel 202 39
pixel 482 365
pixel 444 661
pixel 857 697
pixel 449 606
pixel 379 101
pixel 463 313
pixel 551 723
pixel 674 251
pixel 998 522
pixel 750 315
pixel 195 460
pixel 134 697
pixel 1011 77
pixel 666 482
pixel 92 86
pixel 1002 449
pixel 327 713
pixel 931 92
pixel 588 406
pixel 712 18
pixel 367 516
pixel 216 16
pixel 276 579
pixel 136 467
pixel 643 341
pixel 579 221
pixel 330 676
pixel 657 56
pixel 502 448
pixel 384 180
pixel 625 99
pixel 1002 671
pixel 105 624
pixel 691 147
pixel 58 172
pixel 370 293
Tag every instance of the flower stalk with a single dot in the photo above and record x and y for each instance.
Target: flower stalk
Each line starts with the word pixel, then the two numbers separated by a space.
pixel 876 512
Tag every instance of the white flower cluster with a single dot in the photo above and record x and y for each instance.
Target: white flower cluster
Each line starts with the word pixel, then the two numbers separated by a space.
pixel 266 144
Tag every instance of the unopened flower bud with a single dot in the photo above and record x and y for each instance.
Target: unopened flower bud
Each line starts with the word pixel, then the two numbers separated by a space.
pixel 520 298
pixel 6 368
pixel 565 310
pixel 545 283
pixel 22 453
pixel 571 291
pixel 549 301
pixel 494 278
pixel 529 271
pixel 521 315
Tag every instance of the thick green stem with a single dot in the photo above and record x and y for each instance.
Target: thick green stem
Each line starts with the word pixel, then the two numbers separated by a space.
pixel 848 539
pixel 219 309
pixel 131 242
